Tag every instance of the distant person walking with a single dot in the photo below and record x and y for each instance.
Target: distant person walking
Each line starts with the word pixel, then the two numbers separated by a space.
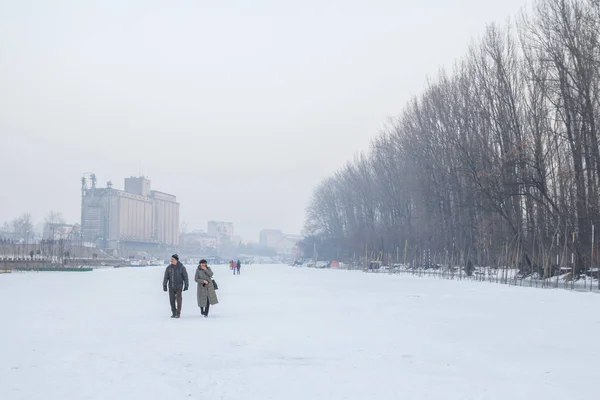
pixel 238 266
pixel 206 293
pixel 175 281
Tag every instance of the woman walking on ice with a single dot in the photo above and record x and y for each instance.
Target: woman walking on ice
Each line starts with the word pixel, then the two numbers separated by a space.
pixel 206 290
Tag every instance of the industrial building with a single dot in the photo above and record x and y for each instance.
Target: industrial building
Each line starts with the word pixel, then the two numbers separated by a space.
pixel 134 218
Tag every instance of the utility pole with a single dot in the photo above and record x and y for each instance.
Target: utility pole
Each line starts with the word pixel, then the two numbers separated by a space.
pixel 592 263
pixel 366 257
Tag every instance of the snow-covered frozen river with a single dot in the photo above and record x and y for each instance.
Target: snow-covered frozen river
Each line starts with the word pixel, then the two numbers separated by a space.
pixel 293 333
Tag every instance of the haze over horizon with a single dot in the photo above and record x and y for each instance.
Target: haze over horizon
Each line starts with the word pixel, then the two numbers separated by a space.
pixel 239 109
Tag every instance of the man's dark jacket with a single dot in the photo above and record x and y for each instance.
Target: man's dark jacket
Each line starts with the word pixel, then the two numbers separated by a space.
pixel 176 277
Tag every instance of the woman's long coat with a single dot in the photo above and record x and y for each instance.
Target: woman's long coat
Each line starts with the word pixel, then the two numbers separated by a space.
pixel 205 291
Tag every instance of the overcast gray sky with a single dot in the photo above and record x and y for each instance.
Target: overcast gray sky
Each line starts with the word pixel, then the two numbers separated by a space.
pixel 239 108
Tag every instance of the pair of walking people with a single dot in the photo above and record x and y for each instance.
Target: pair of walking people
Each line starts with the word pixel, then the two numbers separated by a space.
pixel 176 281
pixel 236 267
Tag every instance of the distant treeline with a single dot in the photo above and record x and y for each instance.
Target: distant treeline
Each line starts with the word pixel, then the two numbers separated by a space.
pixel 497 162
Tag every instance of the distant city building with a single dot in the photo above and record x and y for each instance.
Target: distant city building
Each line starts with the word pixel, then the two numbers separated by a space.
pixel 237 240
pixel 270 237
pixel 136 217
pixel 275 239
pixel 288 245
pixel 223 231
pixel 197 241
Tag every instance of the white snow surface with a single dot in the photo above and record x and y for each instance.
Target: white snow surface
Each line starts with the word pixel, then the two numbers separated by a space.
pixel 281 332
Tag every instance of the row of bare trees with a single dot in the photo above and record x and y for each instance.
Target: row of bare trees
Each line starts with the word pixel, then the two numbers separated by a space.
pixel 20 240
pixel 22 228
pixel 18 229
pixel 497 162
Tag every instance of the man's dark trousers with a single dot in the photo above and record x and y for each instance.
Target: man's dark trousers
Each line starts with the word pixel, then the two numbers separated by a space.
pixel 175 295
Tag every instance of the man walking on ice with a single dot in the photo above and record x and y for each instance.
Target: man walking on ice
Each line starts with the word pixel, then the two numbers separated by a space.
pixel 175 281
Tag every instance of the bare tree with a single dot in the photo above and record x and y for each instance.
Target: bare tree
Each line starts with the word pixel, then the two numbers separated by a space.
pixel 22 226
pixel 54 218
